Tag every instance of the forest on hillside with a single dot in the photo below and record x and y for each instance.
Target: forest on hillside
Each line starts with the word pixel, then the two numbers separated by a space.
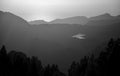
pixel 19 64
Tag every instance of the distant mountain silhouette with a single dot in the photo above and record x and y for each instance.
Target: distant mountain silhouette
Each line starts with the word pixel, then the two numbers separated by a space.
pixel 105 16
pixel 82 20
pixel 104 19
pixel 38 22
pixel 54 42
pixel 71 20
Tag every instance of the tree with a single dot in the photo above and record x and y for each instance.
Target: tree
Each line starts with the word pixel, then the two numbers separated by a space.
pixel 3 61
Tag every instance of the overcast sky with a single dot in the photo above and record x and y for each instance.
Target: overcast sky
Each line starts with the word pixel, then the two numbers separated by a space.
pixel 52 9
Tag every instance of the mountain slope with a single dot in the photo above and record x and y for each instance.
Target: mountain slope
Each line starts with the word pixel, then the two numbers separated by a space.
pixel 71 20
pixel 14 30
pixel 104 19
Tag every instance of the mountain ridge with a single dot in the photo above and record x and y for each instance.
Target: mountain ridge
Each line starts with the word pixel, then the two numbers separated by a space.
pixel 82 20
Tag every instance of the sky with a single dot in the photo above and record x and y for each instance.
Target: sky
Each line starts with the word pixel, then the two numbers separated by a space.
pixel 53 9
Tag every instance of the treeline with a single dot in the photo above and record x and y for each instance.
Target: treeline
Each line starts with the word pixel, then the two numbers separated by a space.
pixel 18 64
pixel 106 64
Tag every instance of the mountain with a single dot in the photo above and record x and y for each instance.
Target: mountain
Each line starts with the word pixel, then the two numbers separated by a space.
pixel 82 20
pixel 57 43
pixel 104 19
pixel 13 31
pixel 105 16
pixel 71 20
pixel 37 22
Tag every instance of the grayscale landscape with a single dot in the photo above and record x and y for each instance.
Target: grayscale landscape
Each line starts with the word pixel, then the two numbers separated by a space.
pixel 74 45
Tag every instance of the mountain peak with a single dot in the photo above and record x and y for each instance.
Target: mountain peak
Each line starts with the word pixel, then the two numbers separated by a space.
pixel 71 20
pixel 1 12
pixel 105 16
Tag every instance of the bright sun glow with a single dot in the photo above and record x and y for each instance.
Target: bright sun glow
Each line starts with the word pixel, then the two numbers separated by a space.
pixel 52 9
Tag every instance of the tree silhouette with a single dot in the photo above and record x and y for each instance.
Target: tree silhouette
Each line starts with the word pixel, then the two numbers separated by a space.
pixel 3 61
pixel 79 69
pixel 107 63
pixel 18 64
